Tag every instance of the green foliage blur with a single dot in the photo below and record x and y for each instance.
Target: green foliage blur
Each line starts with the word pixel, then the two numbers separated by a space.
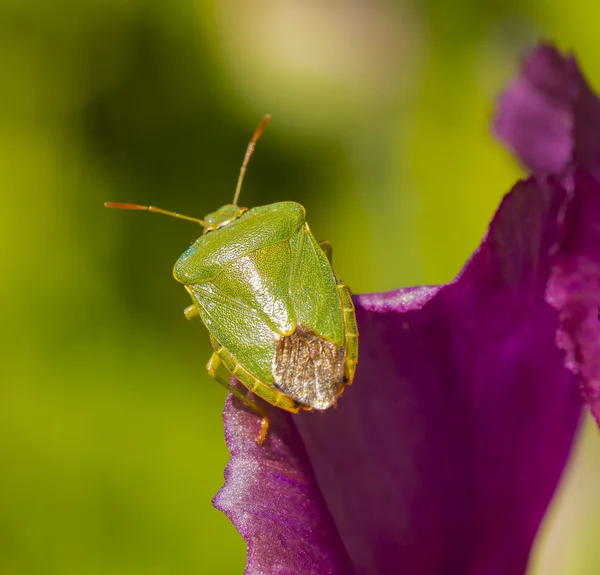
pixel 111 444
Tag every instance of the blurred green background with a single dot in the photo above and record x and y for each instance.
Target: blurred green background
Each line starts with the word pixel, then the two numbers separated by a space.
pixel 111 441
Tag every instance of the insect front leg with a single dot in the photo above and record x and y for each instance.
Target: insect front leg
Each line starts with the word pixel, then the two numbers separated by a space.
pixel 327 247
pixel 212 366
pixel 191 312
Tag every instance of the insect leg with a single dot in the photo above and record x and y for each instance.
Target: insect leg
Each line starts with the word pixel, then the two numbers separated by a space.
pixel 212 366
pixel 191 312
pixel 327 247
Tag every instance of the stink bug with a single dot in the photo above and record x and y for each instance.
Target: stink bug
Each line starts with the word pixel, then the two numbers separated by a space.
pixel 279 318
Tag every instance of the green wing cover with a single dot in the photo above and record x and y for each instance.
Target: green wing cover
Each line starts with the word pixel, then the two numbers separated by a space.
pixel 313 288
pixel 262 295
pixel 248 305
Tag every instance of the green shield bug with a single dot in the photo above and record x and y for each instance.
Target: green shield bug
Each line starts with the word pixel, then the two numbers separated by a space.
pixel 280 319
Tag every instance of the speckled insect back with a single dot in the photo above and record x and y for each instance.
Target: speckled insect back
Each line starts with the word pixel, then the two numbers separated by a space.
pixel 280 319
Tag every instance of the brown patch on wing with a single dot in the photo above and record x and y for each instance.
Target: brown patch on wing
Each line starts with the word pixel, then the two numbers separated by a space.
pixel 309 368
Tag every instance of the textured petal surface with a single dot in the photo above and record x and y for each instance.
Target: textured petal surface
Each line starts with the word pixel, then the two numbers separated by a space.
pixel 575 286
pixel 551 119
pixel 272 498
pixel 446 451
pixel 549 115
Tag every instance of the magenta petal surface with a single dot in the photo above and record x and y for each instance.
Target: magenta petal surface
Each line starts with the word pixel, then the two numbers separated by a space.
pixel 271 496
pixel 549 115
pixel 551 118
pixel 575 286
pixel 444 454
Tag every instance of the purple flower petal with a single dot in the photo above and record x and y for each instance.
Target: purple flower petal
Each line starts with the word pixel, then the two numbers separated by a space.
pixel 444 454
pixel 549 115
pixel 272 498
pixel 551 118
pixel 575 285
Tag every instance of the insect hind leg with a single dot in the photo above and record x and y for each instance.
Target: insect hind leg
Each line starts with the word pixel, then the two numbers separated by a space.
pixel 212 367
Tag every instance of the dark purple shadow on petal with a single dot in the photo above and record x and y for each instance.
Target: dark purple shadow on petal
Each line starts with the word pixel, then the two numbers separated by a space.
pixel 444 454
pixel 575 285
pixel 549 115
pixel 272 499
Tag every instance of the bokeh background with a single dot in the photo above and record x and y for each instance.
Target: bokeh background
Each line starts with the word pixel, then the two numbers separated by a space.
pixel 111 442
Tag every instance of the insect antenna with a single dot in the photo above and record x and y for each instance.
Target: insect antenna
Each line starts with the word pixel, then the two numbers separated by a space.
pixel 249 152
pixel 152 209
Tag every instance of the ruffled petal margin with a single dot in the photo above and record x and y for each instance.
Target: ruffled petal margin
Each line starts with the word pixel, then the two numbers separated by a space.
pixel 550 117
